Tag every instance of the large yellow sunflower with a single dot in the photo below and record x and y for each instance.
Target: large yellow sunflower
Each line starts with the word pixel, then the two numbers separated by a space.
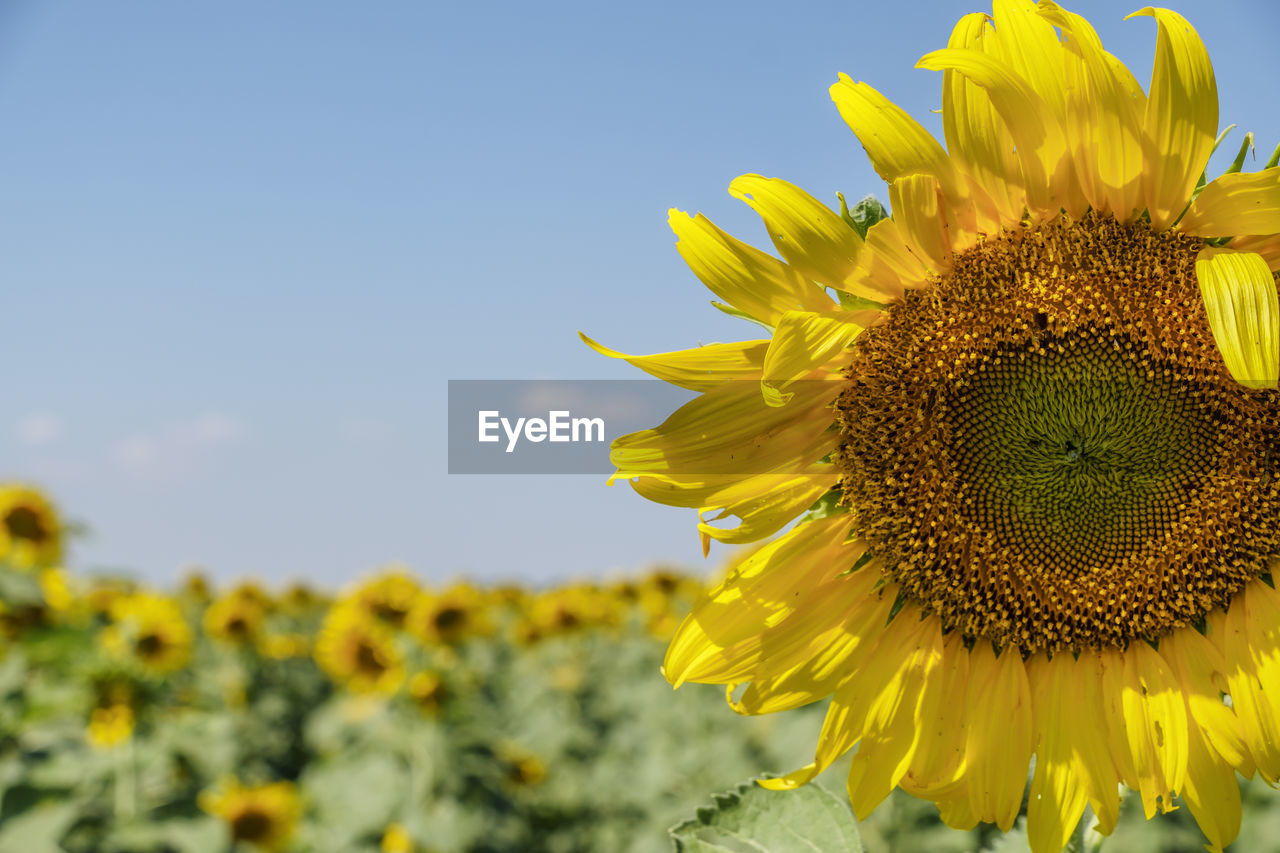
pixel 1035 417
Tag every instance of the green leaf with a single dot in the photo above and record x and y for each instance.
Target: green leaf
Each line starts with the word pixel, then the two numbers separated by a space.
pixel 38 830
pixel 1014 841
pixel 864 214
pixel 754 819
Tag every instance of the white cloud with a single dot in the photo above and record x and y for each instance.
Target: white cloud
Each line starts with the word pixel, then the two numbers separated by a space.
pixel 38 428
pixel 179 449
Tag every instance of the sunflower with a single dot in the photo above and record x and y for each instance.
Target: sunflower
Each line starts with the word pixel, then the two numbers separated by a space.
pixel 150 629
pixel 30 532
pixel 263 816
pixel 1030 423
pixel 428 692
pixel 358 651
pixel 238 616
pixel 114 714
pixel 389 596
pixel 396 839
pixel 449 617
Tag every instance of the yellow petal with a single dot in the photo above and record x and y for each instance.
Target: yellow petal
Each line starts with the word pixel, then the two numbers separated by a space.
pixel 917 210
pixel 803 342
pixel 758 594
pixel 780 646
pixel 1268 246
pixel 939 763
pixel 1240 299
pixel 976 135
pixel 1047 171
pixel 1181 120
pixel 998 746
pixel 1094 760
pixel 745 277
pixel 810 236
pixel 1251 643
pixel 699 368
pixel 1154 725
pixel 895 142
pixel 730 430
pixel 1211 792
pixel 762 512
pixel 1237 203
pixel 1200 667
pixel 1104 119
pixel 829 659
pixel 1030 47
pixel 887 265
pixel 895 722
pixel 1057 798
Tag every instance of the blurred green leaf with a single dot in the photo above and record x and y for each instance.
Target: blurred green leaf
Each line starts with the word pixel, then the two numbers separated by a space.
pixel 753 818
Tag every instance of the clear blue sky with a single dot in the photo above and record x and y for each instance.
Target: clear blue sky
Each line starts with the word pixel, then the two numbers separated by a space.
pixel 245 245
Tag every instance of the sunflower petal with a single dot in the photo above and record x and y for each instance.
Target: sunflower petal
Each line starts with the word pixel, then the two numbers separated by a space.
pixel 1251 644
pixel 976 135
pixel 757 594
pixel 803 342
pixel 827 662
pixel 810 236
pixel 1237 203
pixel 1103 119
pixel 888 265
pixel 1041 144
pixel 763 512
pixel 730 430
pixel 1057 798
pixel 894 726
pixel 998 746
pixel 1181 120
pixel 748 279
pixel 1240 299
pixel 918 210
pixel 697 369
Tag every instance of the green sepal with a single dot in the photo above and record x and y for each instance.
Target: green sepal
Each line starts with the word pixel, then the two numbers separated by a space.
pixel 865 213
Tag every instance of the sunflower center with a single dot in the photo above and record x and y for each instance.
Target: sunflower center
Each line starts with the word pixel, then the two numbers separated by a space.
pixel 25 523
pixel 1077 452
pixel 1045 448
pixel 369 660
pixel 252 825
pixel 149 646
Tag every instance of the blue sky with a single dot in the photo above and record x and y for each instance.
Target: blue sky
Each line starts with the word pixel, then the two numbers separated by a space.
pixel 247 244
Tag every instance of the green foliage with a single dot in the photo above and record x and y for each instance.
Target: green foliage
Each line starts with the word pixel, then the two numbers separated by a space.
pixel 753 818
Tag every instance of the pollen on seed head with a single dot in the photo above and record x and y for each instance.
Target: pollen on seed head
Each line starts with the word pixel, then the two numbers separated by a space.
pixel 1045 447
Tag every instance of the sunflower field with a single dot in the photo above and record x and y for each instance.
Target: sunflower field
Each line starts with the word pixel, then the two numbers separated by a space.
pixel 398 716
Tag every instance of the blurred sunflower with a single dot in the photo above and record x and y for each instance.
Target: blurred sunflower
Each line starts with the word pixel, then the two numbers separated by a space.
pixel 450 616
pixel 114 713
pixel 263 816
pixel 358 652
pixel 30 532
pixel 428 692
pixel 238 616
pixel 150 629
pixel 389 596
pixel 396 839
pixel 1036 429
